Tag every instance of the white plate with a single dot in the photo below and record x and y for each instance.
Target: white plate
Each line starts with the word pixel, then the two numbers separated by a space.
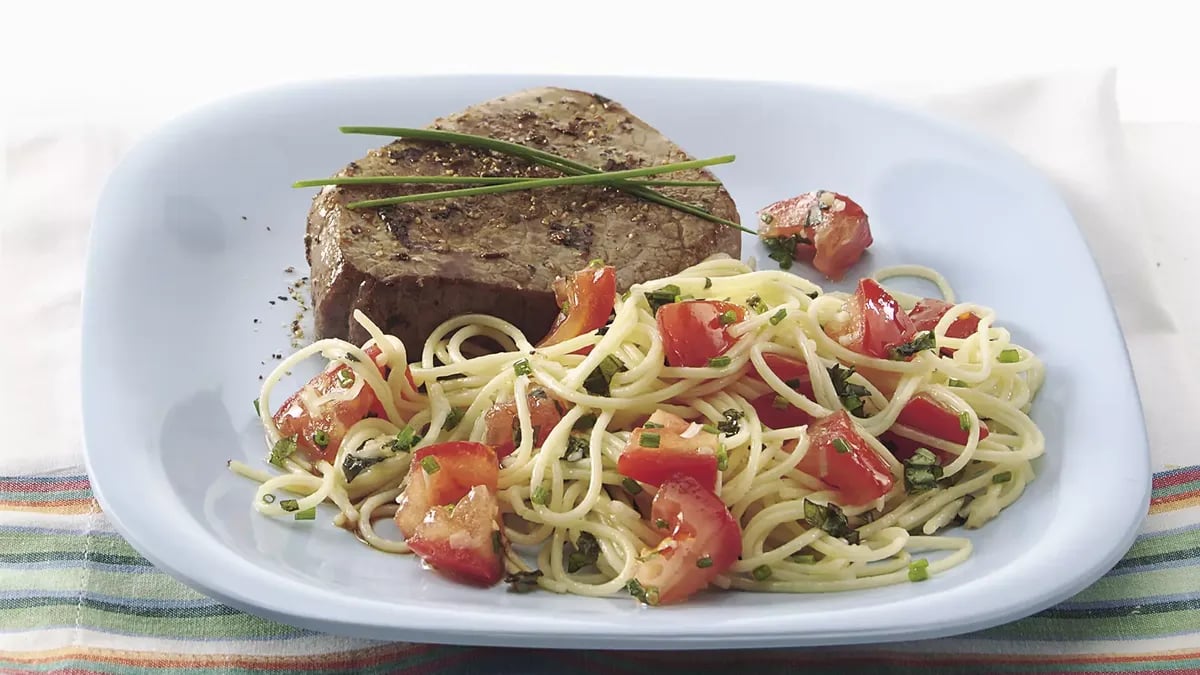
pixel 196 226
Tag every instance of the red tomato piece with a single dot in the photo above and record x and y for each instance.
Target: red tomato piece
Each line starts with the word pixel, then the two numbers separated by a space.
pixel 768 408
pixel 929 311
pixel 873 322
pixel 680 449
pixel 925 414
pixel 443 474
pixel 588 296
pixel 503 426
pixel 904 448
pixel 829 226
pixel 693 332
pixel 851 466
pixel 463 543
pixel 333 418
pixel 701 541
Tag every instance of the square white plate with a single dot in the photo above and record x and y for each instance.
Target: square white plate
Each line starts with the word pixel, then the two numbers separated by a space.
pixel 196 226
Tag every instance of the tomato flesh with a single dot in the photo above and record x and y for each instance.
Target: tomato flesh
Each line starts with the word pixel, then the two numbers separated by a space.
pixel 503 426
pixel 925 414
pixel 929 311
pixel 697 526
pixel 859 473
pixel 333 418
pixel 769 410
pixel 694 456
pixel 462 543
pixel 873 322
pixel 831 227
pixel 456 466
pixel 692 331
pixel 588 296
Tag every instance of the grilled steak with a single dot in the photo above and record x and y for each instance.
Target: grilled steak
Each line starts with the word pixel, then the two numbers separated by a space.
pixel 412 266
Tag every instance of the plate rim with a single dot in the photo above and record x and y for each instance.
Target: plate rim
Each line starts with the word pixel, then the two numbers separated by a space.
pixel 457 633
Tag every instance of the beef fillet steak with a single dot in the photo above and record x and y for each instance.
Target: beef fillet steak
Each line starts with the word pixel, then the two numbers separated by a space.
pixel 412 266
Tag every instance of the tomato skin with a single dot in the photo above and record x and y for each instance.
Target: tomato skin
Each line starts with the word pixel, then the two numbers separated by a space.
pixel 787 369
pixel 836 226
pixel 589 296
pixel 675 455
pixel 860 475
pixel 461 543
pixel 294 419
pixel 929 311
pixel 925 414
pixel 874 323
pixel 698 525
pixel 692 331
pixel 544 414
pixel 461 465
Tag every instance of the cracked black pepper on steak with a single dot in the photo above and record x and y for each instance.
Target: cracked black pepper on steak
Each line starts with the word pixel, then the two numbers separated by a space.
pixel 412 266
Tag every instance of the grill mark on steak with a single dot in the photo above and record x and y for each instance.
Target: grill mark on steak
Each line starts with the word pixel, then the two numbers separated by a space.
pixel 411 266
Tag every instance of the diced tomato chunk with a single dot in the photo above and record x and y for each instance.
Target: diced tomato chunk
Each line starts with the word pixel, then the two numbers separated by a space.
pixel 695 331
pixel 503 425
pixel 463 543
pixel 701 540
pixel 872 322
pixel 828 226
pixel 319 433
pixel 772 411
pixel 840 456
pixel 925 414
pixel 442 474
pixel 587 298
pixel 928 312
pixel 680 447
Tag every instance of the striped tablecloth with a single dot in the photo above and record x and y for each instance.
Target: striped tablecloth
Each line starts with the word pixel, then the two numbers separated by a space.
pixel 74 597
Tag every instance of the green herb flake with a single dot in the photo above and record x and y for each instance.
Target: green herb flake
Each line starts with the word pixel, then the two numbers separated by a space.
pixel 779 316
pixel 660 524
pixel 663 296
pixel 578 447
pixel 782 250
pixel 453 418
pixel 727 317
pixel 586 553
pixel 920 343
pixel 955 383
pixel 802 559
pixel 766 218
pixel 730 425
pixel 841 446
pixel 719 361
pixel 780 403
pixel 646 594
pixel 289 505
pixel 761 573
pixel 345 378
pixel 596 262
pixel 585 422
pixel 497 542
pixel 756 303
pixel 964 421
pixel 522 367
pixel 599 380
pixel 707 283
pixel 851 395
pixel 1009 356
pixel 282 449
pixel 268 498
pixel 405 440
pixel 921 471
pixel 649 440
pixel 307 514
pixel 631 486
pixel 523 582
pixel 354 465
pixel 430 464
pixel 828 517
pixel 722 457
pixel 320 438
pixel 540 496
pixel 710 429
pixel 1002 477
pixel 916 573
pixel 257 409
pixel 704 562
pixel 652 425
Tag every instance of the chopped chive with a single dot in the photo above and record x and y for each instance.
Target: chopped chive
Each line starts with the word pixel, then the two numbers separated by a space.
pixel 955 383
pixel 345 378
pixel 707 283
pixel 756 303
pixel 663 296
pixel 722 457
pixel 453 418
pixel 631 486
pixel 649 440
pixel 766 218
pixel 652 425
pixel 475 180
pixel 1009 356
pixel 803 559
pixel 704 562
pixel 522 367
pixel 780 403
pixel 289 505
pixel 718 362
pixel 523 582
pixel 268 498
pixel 282 449
pixel 430 464
pixel 320 438
pixel 497 543
pixel 1002 477
pixel 727 317
pixel 660 524
pixel 779 316
pixel 596 262
pixel 257 410
pixel 405 440
pixel 710 429
pixel 540 496
pixel 920 563
pixel 916 573
pixel 841 445
pixel 307 514
pixel 964 421
pixel 762 573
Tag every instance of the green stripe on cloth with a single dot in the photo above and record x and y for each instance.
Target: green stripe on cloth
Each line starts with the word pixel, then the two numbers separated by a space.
pixel 1145 584
pixel 231 625
pixel 13 544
